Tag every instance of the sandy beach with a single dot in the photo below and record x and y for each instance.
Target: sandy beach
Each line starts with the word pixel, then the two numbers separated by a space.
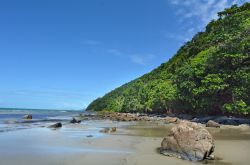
pixel 133 143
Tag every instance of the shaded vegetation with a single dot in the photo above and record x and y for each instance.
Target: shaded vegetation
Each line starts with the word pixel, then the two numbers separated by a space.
pixel 208 75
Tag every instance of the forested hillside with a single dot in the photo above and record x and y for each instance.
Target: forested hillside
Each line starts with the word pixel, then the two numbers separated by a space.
pixel 208 75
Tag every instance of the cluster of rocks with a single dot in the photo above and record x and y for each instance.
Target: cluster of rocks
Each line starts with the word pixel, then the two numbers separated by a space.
pixel 224 120
pixel 209 121
pixel 108 130
pixel 59 124
pixel 137 117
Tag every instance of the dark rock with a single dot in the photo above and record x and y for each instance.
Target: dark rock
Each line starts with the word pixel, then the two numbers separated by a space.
pixel 189 141
pixel 89 136
pixel 185 116
pixel 203 120
pixel 56 125
pixel 29 116
pixel 226 121
pixel 212 123
pixel 74 120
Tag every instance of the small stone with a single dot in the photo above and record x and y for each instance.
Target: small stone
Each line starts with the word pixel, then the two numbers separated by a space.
pixel 212 123
pixel 105 130
pixel 56 125
pixel 73 121
pixel 113 129
pixel 29 116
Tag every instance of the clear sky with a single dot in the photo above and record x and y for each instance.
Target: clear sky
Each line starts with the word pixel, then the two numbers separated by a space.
pixel 62 54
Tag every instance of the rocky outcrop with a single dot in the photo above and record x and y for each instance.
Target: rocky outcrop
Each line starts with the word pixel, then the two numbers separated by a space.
pixel 212 123
pixel 29 116
pixel 56 125
pixel 189 141
pixel 223 120
pixel 137 117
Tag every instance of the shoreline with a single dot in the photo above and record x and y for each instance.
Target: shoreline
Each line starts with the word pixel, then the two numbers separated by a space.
pixel 136 140
pixel 133 143
pixel 115 116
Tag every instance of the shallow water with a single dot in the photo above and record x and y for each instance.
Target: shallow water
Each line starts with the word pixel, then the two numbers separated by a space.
pixel 67 145
pixel 11 119
pixel 133 143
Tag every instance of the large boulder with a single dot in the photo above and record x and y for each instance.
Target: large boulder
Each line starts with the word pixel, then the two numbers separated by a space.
pixel 189 141
pixel 29 116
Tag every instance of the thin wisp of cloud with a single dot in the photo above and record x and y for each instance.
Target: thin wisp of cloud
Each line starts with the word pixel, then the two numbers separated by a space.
pixel 202 11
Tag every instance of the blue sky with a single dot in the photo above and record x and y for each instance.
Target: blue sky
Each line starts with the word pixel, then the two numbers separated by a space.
pixel 62 54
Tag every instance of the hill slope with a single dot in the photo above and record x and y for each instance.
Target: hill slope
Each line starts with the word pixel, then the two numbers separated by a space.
pixel 209 74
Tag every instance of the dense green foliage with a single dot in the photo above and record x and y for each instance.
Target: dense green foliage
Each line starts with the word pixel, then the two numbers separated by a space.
pixel 209 74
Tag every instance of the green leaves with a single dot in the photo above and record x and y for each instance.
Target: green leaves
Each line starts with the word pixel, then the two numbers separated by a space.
pixel 239 106
pixel 209 74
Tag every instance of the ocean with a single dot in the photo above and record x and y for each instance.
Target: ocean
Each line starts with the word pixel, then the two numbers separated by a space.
pixel 12 119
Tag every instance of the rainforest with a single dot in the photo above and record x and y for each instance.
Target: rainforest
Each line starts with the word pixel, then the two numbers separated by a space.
pixel 210 74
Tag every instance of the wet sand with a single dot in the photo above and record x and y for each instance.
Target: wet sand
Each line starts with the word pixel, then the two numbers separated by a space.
pixel 133 143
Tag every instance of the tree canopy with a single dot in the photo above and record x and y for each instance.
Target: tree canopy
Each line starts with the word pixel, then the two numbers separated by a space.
pixel 208 75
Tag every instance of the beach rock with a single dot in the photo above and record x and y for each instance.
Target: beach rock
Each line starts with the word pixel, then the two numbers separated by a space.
pixel 226 121
pixel 113 129
pixel 212 123
pixel 74 120
pixel 29 116
pixel 188 140
pixel 105 130
pixel 171 119
pixel 203 119
pixel 108 130
pixel 56 125
pixel 185 116
pixel 89 136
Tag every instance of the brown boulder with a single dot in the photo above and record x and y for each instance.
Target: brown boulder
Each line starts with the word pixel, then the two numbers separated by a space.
pixel 189 141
